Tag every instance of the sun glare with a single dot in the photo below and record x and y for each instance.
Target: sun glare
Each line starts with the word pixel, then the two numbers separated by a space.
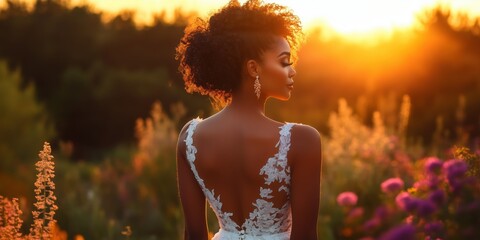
pixel 349 17
pixel 345 17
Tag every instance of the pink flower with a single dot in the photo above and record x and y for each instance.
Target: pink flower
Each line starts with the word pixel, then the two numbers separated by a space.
pixel 392 185
pixel 347 199
pixel 402 199
pixel 455 168
pixel 433 165
pixel 371 224
pixel 356 213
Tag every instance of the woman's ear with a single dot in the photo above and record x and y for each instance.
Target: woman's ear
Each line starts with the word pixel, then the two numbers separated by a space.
pixel 253 68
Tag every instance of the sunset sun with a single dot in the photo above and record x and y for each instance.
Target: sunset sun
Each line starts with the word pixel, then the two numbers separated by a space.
pixel 344 17
pixel 348 17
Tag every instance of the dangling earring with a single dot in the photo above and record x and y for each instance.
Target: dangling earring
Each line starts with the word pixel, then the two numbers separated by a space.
pixel 257 87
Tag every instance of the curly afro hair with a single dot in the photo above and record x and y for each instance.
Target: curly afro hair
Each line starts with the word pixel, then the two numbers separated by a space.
pixel 212 52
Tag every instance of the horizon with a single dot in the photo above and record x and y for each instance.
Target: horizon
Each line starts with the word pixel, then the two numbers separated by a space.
pixel 396 15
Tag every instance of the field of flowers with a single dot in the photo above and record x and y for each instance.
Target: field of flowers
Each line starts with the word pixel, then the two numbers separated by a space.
pixel 376 184
pixel 395 166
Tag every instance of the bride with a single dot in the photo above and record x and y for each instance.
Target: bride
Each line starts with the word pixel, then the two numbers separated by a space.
pixel 261 177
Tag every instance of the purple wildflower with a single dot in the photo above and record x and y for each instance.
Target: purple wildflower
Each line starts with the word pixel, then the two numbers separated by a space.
pixel 411 204
pixel 347 199
pixel 455 168
pixel 404 201
pixel 381 212
pixel 371 224
pixel 437 196
pixel 432 238
pixel 425 208
pixel 392 185
pixel 433 181
pixel 434 228
pixel 402 232
pixel 433 165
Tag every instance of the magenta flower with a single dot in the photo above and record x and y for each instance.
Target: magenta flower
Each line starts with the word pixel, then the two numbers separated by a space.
pixel 433 165
pixel 356 213
pixel 401 198
pixel 455 168
pixel 402 232
pixel 430 182
pixel 392 185
pixel 371 224
pixel 381 213
pixel 425 208
pixel 433 181
pixel 406 202
pixel 437 196
pixel 347 199
pixel 421 184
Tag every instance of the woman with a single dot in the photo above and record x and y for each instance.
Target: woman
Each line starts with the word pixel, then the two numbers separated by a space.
pixel 261 177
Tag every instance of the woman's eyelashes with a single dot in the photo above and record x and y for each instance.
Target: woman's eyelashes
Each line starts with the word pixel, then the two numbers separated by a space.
pixel 286 64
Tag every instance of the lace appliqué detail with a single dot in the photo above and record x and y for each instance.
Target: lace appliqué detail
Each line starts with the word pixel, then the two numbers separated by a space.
pixel 215 203
pixel 265 219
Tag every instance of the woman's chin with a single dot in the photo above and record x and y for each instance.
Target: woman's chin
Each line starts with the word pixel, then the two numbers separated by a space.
pixel 284 97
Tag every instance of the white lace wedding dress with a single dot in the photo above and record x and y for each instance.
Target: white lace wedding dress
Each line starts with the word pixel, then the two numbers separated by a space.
pixel 265 222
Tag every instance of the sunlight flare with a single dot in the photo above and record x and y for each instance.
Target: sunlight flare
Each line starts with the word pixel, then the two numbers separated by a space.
pixel 345 17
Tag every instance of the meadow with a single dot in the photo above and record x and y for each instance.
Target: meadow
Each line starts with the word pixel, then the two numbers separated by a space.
pixel 103 102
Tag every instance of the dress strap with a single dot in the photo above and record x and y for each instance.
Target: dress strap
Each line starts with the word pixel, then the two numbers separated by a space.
pixel 276 168
pixel 284 140
pixel 191 149
pixel 214 202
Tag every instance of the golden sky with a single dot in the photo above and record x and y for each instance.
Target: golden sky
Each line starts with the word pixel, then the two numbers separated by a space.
pixel 347 17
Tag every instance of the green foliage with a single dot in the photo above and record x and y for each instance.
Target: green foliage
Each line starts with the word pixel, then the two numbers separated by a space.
pixel 58 45
pixel 133 186
pixel 84 68
pixel 106 102
pixel 24 126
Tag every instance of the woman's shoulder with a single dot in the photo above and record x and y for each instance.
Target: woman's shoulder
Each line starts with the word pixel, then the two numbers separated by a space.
pixel 306 146
pixel 186 126
pixel 305 131
pixel 305 138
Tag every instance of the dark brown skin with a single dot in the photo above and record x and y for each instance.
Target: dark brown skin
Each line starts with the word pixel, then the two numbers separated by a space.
pixel 233 144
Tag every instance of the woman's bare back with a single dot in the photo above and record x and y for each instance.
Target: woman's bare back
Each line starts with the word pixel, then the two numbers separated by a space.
pixel 253 180
pixel 242 168
pixel 230 155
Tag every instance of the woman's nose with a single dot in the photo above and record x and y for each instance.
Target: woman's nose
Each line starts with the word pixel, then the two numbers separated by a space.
pixel 292 73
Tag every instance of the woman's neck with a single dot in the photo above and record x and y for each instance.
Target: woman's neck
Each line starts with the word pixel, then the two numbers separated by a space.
pixel 247 103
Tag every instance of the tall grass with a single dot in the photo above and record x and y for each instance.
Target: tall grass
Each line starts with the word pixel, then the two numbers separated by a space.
pixel 44 223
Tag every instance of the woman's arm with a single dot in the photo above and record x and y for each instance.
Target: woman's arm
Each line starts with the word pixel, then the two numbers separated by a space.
pixel 306 157
pixel 191 195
